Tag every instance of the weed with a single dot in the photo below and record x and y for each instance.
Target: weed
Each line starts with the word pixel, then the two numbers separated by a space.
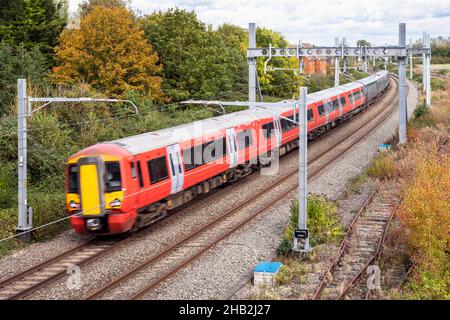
pixel 323 223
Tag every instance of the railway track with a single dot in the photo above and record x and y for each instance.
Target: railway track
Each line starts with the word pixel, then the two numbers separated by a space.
pixel 160 267
pixel 37 277
pixel 360 248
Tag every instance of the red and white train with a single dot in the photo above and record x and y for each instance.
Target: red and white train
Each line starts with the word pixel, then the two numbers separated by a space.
pixel 122 185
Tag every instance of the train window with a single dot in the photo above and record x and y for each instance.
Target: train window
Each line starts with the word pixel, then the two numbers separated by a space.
pixel 192 157
pixel 112 178
pixel 133 170
pixel 343 101
pixel 73 178
pixel 268 129
pixel 214 149
pixel 334 105
pixel 310 115
pixel 141 179
pixel 321 110
pixel 350 99
pixel 287 125
pixel 245 139
pixel 158 169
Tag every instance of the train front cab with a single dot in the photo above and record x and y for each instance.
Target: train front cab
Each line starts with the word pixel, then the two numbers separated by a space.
pixel 95 198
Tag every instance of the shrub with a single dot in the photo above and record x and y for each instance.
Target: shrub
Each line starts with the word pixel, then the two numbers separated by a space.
pixel 292 269
pixel 8 186
pixel 437 84
pixel 323 223
pixel 355 184
pixel 8 222
pixel 382 167
pixel 421 110
pixel 48 206
pixel 424 214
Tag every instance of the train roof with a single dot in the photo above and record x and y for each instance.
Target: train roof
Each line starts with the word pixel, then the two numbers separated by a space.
pixel 325 94
pixel 373 78
pixel 157 139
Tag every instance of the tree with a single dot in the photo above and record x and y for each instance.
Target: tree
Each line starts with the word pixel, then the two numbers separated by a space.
pixel 197 61
pixel 17 62
pixel 276 83
pixel 110 53
pixel 362 43
pixel 35 23
pixel 236 41
pixel 87 5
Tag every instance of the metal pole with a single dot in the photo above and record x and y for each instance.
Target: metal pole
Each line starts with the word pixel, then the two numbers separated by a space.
pixel 428 63
pixel 424 64
pixel 410 61
pixel 300 58
pixel 251 64
pixel 402 118
pixel 303 165
pixel 22 206
pixel 365 58
pixel 344 44
pixel 336 65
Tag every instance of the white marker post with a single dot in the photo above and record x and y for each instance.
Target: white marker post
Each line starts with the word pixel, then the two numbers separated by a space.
pixel 301 234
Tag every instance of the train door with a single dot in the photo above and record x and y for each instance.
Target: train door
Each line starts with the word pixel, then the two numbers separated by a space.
pixel 232 147
pixel 176 170
pixel 90 176
pixel 277 130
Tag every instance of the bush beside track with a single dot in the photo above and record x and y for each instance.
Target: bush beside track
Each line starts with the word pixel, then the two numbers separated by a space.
pixel 422 166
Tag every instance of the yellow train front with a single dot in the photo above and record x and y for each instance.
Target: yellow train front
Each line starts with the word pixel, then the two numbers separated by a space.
pixel 96 195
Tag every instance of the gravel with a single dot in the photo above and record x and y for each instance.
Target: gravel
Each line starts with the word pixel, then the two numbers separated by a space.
pixel 227 264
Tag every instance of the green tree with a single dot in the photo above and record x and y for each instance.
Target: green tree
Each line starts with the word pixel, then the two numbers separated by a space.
pixel 35 23
pixel 276 83
pixel 197 62
pixel 362 43
pixel 18 62
pixel 236 41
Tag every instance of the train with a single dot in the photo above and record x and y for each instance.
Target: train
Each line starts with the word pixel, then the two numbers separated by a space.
pixel 121 186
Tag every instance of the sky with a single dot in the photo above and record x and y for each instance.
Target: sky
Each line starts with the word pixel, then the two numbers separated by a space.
pixel 319 21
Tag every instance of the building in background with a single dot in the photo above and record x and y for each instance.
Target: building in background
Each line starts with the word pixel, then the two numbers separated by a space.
pixel 313 65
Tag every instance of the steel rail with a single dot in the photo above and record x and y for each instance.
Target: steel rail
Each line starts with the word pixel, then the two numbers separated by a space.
pixel 343 246
pixel 151 260
pixel 67 254
pixel 372 259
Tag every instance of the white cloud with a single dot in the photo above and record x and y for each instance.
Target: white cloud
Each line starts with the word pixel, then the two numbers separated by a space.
pixel 319 22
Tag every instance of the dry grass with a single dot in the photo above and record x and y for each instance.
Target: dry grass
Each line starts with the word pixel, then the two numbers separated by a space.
pixel 423 167
pixel 424 214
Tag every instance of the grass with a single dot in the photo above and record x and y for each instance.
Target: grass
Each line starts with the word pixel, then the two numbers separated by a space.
pixel 424 214
pixel 382 167
pixel 423 170
pixel 323 223
pixel 292 270
pixel 355 184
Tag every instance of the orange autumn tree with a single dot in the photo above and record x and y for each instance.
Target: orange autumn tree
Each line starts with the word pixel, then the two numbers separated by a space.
pixel 109 52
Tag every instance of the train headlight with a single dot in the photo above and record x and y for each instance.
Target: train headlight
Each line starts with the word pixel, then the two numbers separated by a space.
pixel 115 203
pixel 74 205
pixel 93 224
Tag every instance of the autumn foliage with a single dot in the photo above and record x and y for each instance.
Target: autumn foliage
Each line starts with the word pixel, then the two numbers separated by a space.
pixel 109 52
pixel 425 216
